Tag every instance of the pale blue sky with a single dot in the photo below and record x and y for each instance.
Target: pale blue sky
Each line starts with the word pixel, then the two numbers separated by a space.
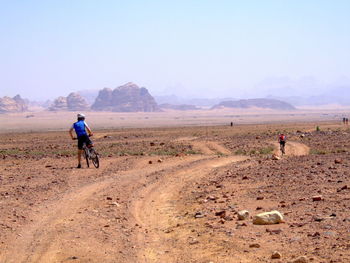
pixel 200 48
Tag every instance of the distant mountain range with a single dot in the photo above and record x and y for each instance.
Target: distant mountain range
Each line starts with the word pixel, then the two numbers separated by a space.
pixel 255 103
pixel 339 95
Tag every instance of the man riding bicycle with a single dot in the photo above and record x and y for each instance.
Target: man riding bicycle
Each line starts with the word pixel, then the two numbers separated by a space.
pixel 282 141
pixel 82 130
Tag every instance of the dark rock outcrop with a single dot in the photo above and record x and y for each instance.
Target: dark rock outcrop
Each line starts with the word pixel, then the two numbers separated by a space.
pixel 256 103
pixel 74 102
pixel 15 104
pixel 126 98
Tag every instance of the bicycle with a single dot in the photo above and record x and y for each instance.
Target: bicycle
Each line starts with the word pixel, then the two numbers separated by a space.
pixel 282 148
pixel 91 154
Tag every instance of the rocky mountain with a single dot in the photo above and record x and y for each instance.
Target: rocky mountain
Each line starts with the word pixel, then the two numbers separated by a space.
pixel 74 102
pixel 126 98
pixel 15 104
pixel 167 106
pixel 256 103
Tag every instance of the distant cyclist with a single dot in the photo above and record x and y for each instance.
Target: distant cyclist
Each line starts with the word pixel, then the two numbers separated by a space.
pixel 282 141
pixel 83 132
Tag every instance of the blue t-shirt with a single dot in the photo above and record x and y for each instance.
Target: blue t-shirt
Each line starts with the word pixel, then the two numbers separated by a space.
pixel 79 128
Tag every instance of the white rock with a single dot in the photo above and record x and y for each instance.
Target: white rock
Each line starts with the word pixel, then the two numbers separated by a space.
pixel 301 259
pixel 275 157
pixel 268 218
pixel 243 214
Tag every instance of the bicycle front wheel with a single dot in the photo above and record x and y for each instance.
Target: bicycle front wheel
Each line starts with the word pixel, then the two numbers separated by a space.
pixel 94 158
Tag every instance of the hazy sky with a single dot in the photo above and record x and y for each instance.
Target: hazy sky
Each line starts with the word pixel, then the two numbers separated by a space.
pixel 201 48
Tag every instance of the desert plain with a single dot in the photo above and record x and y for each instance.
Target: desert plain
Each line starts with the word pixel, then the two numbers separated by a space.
pixel 171 185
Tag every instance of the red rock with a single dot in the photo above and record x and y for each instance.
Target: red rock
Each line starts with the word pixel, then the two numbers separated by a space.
pixel 222 213
pixel 317 198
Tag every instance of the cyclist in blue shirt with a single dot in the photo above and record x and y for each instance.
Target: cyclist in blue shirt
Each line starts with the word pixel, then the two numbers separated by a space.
pixel 83 132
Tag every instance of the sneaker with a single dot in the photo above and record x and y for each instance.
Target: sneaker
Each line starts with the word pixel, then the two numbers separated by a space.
pixel 79 166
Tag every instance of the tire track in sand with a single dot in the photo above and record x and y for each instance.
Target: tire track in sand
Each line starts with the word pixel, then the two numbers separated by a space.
pixel 157 212
pixel 43 240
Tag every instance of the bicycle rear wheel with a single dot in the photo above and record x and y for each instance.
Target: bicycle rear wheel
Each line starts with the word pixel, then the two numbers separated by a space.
pixel 94 158
pixel 282 149
pixel 86 155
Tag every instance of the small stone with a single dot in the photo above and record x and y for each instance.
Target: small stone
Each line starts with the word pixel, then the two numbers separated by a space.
pixel 160 160
pixel 222 213
pixel 260 198
pixel 275 157
pixel 193 242
pixel 301 259
pixel 255 245
pixel 198 215
pixel 274 231
pixel 317 198
pixel 338 161
pixel 243 214
pixel 109 198
pixel 211 197
pixel 150 162
pixel 276 255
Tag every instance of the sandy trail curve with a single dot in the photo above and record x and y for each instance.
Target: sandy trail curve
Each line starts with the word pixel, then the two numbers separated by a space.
pixel 293 149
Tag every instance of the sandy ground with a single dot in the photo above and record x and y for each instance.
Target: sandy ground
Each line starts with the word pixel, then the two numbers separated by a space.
pixel 53 121
pixel 142 204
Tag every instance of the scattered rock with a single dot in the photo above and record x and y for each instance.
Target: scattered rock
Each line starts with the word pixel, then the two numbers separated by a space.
pixel 342 188
pixel 222 213
pixel 268 218
pixel 338 161
pixel 255 245
pixel 211 197
pixel 274 231
pixel 301 259
pixel 243 214
pixel 150 162
pixel 317 198
pixel 276 255
pixel 193 242
pixel 275 157
pixel 199 215
pixel 160 161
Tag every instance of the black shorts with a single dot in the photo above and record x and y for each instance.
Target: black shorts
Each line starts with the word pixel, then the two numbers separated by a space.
pixel 83 139
pixel 283 143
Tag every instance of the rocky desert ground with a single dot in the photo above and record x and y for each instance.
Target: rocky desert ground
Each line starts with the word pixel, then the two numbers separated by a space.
pixel 176 194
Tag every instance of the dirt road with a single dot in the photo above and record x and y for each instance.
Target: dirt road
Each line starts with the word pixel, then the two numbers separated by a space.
pixel 57 231
pixel 178 208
